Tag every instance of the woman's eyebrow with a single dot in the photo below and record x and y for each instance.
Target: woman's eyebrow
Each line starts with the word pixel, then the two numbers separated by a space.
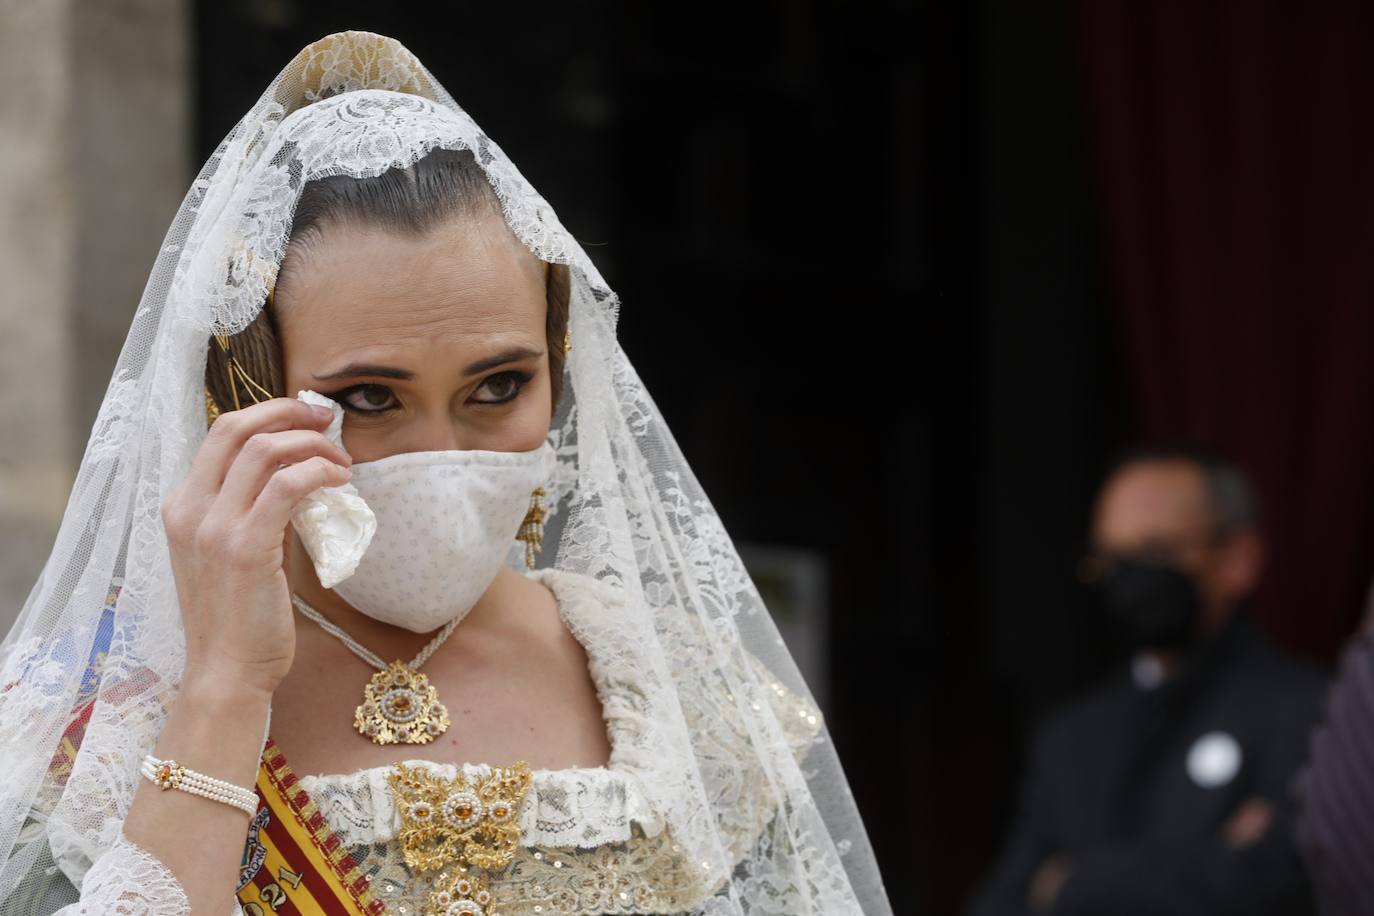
pixel 353 370
pixel 509 356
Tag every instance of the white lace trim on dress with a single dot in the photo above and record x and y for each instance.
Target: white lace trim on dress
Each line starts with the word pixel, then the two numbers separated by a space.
pixel 583 807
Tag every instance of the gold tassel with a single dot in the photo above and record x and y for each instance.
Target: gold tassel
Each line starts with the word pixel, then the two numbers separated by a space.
pixel 532 528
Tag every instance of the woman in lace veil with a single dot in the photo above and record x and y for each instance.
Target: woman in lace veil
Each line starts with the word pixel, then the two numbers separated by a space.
pixel 145 610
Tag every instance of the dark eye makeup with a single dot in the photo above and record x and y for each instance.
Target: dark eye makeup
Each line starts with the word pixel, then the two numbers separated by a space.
pixel 374 399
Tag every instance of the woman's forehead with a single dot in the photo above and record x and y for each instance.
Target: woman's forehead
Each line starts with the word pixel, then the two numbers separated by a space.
pixel 466 277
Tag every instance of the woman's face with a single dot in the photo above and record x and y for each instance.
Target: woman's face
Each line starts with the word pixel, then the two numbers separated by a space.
pixel 429 343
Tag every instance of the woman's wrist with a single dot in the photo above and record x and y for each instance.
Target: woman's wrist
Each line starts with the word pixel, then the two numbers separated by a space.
pixel 212 686
pixel 217 726
pixel 196 790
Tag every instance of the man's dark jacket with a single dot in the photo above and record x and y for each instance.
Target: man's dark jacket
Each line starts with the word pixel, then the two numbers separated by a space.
pixel 1109 787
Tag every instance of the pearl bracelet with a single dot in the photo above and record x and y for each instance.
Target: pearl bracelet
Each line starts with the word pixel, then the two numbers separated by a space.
pixel 168 774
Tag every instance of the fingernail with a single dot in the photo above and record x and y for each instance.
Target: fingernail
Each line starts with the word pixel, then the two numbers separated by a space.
pixel 322 411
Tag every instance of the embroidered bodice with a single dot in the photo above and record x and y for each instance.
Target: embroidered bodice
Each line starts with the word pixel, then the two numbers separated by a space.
pixel 590 840
pixel 583 807
pixel 588 843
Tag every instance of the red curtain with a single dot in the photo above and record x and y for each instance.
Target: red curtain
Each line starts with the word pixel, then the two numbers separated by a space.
pixel 1232 144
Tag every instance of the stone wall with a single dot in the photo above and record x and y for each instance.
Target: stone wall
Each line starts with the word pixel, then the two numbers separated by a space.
pixel 93 164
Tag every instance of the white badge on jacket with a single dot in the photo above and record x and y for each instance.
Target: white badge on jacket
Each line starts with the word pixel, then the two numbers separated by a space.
pixel 1214 760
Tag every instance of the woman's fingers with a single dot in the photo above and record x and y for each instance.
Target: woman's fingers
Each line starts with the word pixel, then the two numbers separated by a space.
pixel 263 453
pixel 231 430
pixel 272 510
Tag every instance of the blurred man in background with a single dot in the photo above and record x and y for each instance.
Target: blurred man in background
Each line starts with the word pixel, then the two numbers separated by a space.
pixel 1167 791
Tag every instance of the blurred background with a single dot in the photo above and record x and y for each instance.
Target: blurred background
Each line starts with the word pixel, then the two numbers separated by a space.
pixel 901 275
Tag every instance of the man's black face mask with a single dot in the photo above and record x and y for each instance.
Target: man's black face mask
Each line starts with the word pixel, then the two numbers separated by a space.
pixel 1152 603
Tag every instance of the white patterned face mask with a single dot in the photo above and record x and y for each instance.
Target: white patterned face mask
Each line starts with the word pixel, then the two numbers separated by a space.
pixel 445 524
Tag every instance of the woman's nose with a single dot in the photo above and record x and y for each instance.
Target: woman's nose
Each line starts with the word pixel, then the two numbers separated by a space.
pixel 435 433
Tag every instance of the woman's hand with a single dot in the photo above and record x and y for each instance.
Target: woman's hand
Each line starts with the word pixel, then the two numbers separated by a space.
pixel 226 527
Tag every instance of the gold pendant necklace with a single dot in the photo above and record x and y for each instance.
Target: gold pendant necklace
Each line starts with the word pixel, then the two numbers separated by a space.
pixel 399 705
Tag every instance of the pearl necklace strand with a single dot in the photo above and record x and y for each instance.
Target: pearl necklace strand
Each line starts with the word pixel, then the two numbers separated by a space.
pixel 366 654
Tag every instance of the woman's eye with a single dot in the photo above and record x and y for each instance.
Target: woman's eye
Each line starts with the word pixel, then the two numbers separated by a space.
pixel 502 388
pixel 368 398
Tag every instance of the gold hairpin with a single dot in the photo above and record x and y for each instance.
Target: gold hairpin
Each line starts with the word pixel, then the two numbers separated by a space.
pixel 232 367
pixel 567 340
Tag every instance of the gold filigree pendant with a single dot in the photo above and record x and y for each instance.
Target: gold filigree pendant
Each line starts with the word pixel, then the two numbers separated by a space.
pixel 400 706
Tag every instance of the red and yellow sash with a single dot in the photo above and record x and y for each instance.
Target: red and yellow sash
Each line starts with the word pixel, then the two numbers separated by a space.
pixel 292 862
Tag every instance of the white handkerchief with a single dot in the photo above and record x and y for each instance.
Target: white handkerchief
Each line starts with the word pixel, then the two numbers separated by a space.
pixel 334 523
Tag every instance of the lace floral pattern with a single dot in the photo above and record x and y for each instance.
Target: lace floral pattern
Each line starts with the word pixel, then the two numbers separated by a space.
pixel 366 96
pixel 130 881
pixel 583 807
